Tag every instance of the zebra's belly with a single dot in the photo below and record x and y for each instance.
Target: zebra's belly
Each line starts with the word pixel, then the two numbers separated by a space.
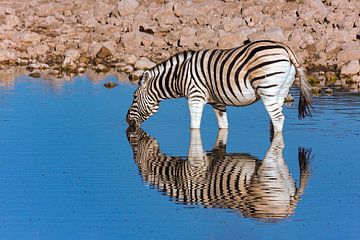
pixel 247 97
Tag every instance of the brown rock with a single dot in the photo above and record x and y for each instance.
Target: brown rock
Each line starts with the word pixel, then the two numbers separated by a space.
pixel 351 68
pixel 144 64
pixel 127 7
pixel 275 34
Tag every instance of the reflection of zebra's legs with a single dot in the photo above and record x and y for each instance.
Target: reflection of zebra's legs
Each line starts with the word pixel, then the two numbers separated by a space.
pixel 196 152
pixel 196 106
pixel 220 113
pixel 221 139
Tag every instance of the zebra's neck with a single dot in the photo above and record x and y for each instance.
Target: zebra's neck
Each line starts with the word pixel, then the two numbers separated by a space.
pixel 168 76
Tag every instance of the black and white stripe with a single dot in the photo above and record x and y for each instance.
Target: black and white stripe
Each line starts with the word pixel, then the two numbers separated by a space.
pixel 231 77
pixel 217 179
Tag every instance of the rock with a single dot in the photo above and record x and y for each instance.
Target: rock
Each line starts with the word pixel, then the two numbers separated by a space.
pixel 144 64
pixel 41 66
pixel 38 50
pixel 54 72
pixel 316 90
pixel 22 62
pixel 289 98
pixel 135 76
pixel 127 69
pixel 35 74
pixel 131 41
pixel 131 59
pixel 329 91
pixel 7 55
pixel 104 52
pixel 127 7
pixel 275 34
pixel 12 21
pixel 110 85
pixel 351 68
pixel 71 55
pixel 348 54
pixel 230 41
pixel 101 68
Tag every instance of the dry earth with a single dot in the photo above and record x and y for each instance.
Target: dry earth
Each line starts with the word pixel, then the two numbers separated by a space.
pixel 132 35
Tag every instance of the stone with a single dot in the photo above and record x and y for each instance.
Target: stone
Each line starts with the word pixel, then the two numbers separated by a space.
pixel 230 41
pixel 348 54
pixel 275 34
pixel 35 74
pixel 110 85
pixel 329 91
pixel 127 69
pixel 38 50
pixel 131 41
pixel 144 63
pixel 289 98
pixel 12 21
pixel 127 7
pixel 135 76
pixel 70 56
pixel 351 68
pixel 104 52
pixel 41 66
pixel 131 59
pixel 101 50
pixel 7 55
pixel 101 68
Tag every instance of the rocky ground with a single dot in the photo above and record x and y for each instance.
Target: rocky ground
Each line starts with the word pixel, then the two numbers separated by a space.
pixel 71 36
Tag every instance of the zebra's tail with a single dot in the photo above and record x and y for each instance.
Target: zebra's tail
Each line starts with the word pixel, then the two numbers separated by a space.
pixel 305 101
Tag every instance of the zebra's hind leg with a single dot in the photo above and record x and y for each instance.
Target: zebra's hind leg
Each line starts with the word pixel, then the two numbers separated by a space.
pixel 274 110
pixel 196 106
pixel 221 116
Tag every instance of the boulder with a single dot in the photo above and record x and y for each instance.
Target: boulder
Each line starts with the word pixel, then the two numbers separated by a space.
pixel 11 21
pixel 144 63
pixel 127 7
pixel 230 40
pixel 275 34
pixel 7 55
pixel 70 56
pixel 351 68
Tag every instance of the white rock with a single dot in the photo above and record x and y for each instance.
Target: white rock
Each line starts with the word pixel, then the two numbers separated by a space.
pixel 131 59
pixel 71 55
pixel 12 20
pixel 38 66
pixel 351 68
pixel 275 34
pixel 144 64
pixel 127 7
pixel 7 55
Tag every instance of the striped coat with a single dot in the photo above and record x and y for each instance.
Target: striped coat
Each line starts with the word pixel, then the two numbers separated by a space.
pixel 231 77
pixel 217 179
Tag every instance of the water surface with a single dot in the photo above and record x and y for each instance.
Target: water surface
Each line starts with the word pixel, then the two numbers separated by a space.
pixel 68 170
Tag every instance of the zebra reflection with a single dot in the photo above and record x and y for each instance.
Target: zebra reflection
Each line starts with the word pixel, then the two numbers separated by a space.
pixel 257 189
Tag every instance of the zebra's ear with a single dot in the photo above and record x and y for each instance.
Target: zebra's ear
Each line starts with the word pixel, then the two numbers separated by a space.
pixel 144 78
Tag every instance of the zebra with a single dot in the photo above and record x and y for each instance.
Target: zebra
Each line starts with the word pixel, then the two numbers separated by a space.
pixel 230 77
pixel 217 179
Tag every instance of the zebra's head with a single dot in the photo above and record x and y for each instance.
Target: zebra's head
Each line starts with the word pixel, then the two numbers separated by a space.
pixel 144 104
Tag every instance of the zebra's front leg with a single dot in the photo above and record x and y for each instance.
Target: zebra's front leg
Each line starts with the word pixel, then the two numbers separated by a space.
pixel 196 107
pixel 221 116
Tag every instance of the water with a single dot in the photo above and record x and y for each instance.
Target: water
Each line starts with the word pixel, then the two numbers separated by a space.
pixel 68 170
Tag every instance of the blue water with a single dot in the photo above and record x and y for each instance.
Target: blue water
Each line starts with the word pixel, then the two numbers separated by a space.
pixel 67 169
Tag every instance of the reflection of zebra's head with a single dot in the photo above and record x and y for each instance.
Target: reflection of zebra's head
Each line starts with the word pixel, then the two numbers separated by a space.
pixel 144 104
pixel 261 189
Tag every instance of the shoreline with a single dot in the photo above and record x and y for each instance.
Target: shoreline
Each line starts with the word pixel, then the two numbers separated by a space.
pixel 130 36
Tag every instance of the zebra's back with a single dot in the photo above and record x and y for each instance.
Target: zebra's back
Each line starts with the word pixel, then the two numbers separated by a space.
pixel 234 76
